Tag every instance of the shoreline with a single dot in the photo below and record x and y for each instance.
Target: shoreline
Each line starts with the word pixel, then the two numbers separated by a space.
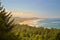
pixel 29 22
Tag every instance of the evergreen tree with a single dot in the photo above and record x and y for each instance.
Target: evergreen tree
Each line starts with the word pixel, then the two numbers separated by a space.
pixel 6 25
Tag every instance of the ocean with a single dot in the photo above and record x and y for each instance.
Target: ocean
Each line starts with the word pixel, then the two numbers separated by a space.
pixel 47 23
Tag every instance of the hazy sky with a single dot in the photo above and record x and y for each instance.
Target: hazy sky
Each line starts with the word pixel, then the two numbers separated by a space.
pixel 33 8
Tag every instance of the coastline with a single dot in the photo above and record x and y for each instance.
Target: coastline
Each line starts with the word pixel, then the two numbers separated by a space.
pixel 29 22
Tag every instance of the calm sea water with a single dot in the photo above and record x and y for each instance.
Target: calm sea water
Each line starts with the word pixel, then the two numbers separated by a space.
pixel 49 23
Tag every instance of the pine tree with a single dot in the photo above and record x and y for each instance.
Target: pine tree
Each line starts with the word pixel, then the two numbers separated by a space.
pixel 6 24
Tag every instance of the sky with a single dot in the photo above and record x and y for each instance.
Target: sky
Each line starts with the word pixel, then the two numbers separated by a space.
pixel 33 8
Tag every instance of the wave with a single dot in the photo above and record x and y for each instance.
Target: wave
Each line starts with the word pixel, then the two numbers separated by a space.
pixel 49 23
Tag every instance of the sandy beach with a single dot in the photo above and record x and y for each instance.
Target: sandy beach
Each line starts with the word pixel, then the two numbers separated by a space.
pixel 27 22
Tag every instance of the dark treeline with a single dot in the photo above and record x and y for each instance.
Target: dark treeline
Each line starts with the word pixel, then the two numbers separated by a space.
pixel 11 31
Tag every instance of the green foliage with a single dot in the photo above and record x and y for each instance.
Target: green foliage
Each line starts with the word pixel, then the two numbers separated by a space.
pixel 33 33
pixel 5 19
pixel 6 26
